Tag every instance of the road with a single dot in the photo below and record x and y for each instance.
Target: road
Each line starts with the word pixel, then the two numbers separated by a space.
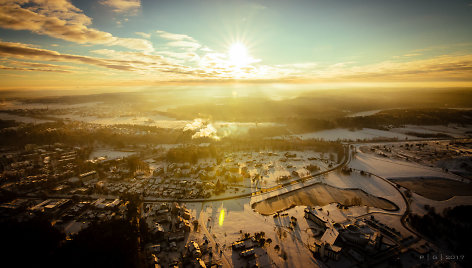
pixel 202 224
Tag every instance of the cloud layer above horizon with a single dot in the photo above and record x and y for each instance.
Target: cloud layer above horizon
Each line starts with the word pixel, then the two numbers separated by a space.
pixel 49 43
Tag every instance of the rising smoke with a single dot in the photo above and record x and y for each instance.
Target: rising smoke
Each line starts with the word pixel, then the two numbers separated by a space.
pixel 203 129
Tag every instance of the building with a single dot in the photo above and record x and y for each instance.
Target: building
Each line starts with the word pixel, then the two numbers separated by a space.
pixel 193 249
pixel 238 245
pixel 315 216
pixel 326 247
pixel 87 176
pixel 247 253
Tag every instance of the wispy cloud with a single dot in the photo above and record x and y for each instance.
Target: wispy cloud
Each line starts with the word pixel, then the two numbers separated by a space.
pixel 144 35
pixel 188 56
pixel 23 51
pixel 60 19
pixel 185 44
pixel 149 67
pixel 174 36
pixel 412 55
pixel 8 68
pixel 182 41
pixel 440 68
pixel 121 6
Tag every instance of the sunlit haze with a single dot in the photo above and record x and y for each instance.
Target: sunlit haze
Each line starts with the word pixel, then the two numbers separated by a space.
pixel 236 133
pixel 97 45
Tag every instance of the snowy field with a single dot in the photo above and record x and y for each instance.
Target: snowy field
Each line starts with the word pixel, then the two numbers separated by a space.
pixel 163 122
pixel 418 203
pixel 435 188
pixel 370 184
pixel 363 113
pixel 403 133
pixel 452 130
pixel 156 120
pixel 109 154
pixel 391 168
pixel 320 195
pixel 352 135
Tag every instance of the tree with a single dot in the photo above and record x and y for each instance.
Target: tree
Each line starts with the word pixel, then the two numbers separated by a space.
pixel 36 237
pixel 106 244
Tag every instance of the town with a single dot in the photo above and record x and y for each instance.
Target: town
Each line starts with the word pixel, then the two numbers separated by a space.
pixel 216 205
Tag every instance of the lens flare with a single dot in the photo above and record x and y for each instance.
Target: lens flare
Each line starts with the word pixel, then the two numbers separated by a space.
pixel 222 217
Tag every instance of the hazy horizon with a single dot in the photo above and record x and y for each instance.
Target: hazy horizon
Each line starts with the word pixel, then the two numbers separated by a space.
pixel 91 46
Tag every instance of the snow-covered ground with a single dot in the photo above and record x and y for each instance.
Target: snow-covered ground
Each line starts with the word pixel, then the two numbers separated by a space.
pixel 109 154
pixel 238 216
pixel 455 131
pixel 352 135
pixel 271 168
pixel 163 122
pixel 402 133
pixel 363 113
pixel 370 184
pixel 392 221
pixel 155 120
pixel 391 168
pixel 418 203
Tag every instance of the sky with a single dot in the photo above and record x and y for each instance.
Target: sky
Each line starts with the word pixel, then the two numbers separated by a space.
pixel 83 45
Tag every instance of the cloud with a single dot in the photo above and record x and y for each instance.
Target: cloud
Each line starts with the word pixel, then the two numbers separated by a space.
pixel 174 36
pixel 305 65
pixel 126 55
pixel 206 49
pixel 412 55
pixel 60 19
pixel 440 68
pixel 437 68
pixel 8 68
pixel 185 44
pixel 147 66
pixel 144 35
pixel 23 51
pixel 180 40
pixel 34 64
pixel 121 6
pixel 182 56
pixel 133 43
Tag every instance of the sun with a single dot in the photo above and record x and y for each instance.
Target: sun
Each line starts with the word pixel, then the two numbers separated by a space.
pixel 238 54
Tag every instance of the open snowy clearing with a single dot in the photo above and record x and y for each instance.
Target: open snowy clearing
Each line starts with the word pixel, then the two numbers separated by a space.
pixel 418 203
pixel 390 168
pixel 109 154
pixel 321 195
pixel 435 188
pixel 452 130
pixel 352 135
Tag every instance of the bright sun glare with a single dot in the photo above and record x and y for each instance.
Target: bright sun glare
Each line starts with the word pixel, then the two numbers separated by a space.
pixel 238 54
